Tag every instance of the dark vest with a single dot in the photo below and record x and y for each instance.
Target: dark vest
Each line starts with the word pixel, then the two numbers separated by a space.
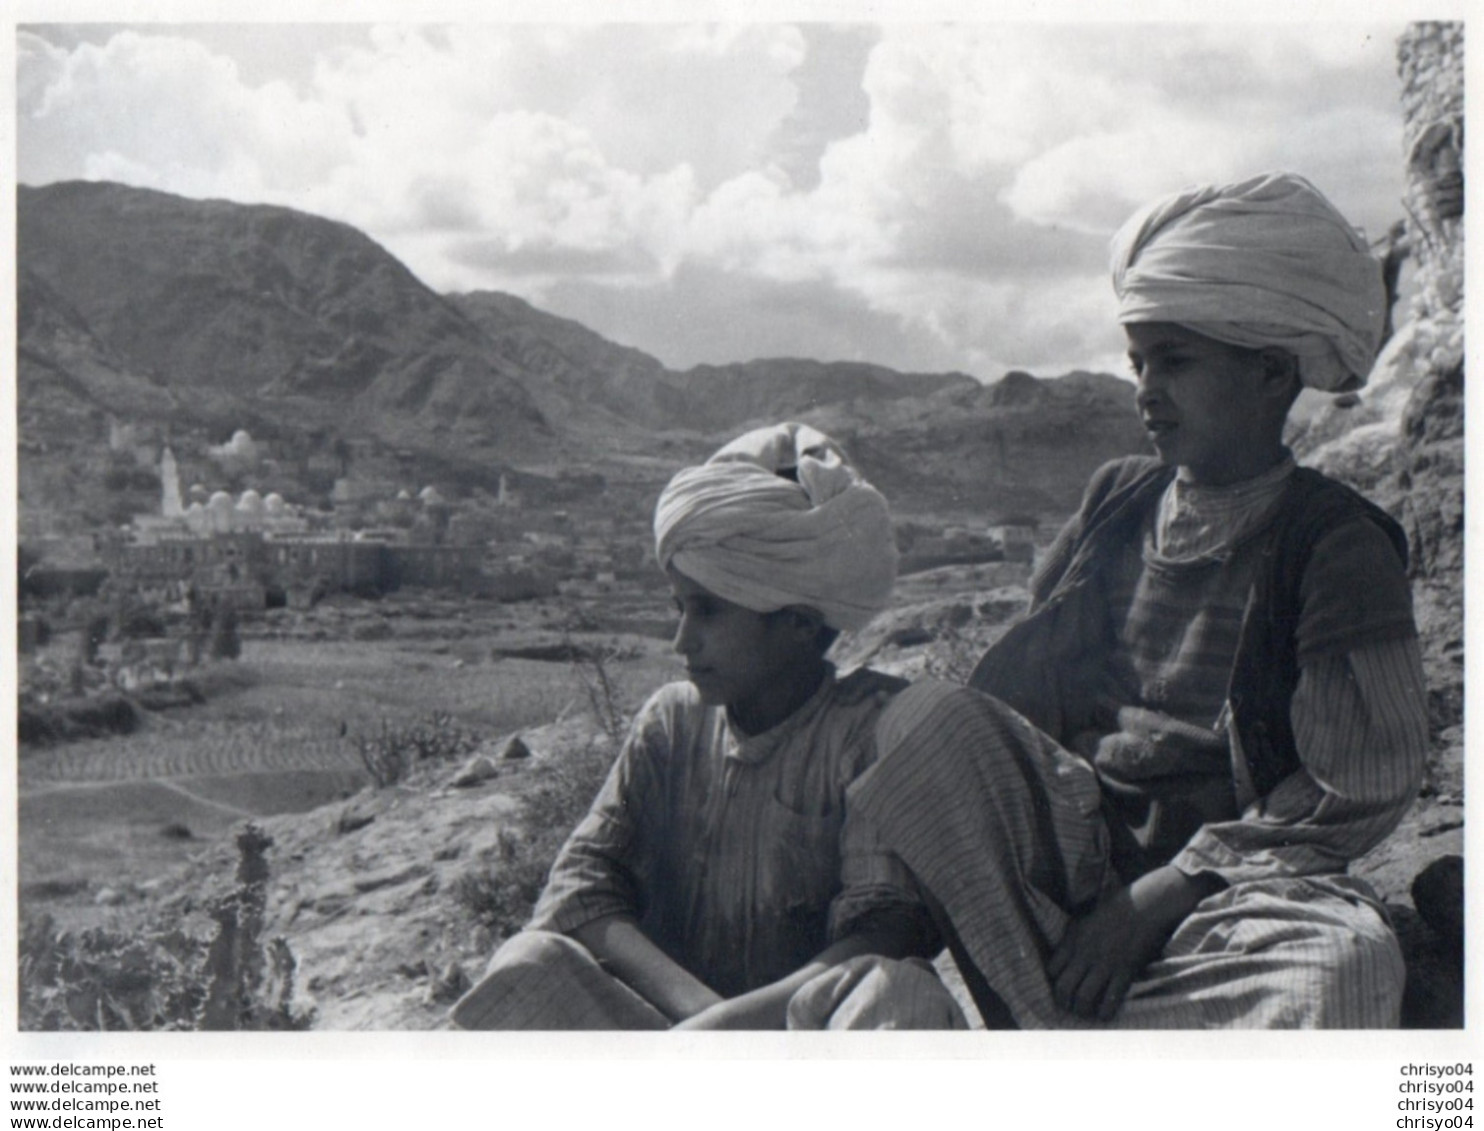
pixel 1048 666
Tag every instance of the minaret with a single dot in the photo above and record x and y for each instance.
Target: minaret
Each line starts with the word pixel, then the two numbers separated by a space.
pixel 170 486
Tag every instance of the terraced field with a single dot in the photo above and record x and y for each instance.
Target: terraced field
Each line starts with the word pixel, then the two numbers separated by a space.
pixel 276 733
pixel 212 750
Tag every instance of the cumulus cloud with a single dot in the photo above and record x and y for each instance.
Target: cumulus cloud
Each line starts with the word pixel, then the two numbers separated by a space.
pixel 167 113
pixel 1210 105
pixel 997 160
pixel 938 195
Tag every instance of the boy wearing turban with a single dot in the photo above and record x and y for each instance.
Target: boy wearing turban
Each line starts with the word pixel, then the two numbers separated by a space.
pixel 1143 814
pixel 698 889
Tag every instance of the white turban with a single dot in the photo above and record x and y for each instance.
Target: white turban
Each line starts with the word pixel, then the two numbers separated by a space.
pixel 1263 262
pixel 740 527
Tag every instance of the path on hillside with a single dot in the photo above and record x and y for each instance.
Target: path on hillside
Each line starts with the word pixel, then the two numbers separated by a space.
pixel 173 786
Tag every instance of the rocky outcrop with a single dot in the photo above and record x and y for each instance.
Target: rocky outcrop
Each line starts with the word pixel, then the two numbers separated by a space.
pixel 1429 481
pixel 1419 866
pixel 1430 59
pixel 1402 441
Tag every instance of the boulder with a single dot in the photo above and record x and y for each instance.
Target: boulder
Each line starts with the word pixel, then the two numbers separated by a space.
pixel 514 750
pixel 478 770
pixel 1437 893
pixel 356 814
pixel 1433 998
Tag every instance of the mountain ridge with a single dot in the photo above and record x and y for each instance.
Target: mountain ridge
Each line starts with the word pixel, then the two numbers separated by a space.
pixel 203 315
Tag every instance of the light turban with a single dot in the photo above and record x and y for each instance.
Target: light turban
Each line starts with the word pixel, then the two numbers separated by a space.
pixel 740 527
pixel 1262 262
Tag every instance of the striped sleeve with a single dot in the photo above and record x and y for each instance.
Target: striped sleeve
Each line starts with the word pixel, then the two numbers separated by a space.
pixel 1360 721
pixel 878 891
pixel 602 868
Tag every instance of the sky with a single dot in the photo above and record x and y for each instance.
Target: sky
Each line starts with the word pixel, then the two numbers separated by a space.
pixel 927 196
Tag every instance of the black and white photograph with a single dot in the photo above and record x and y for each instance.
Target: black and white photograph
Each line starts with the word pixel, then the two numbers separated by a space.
pixel 695 541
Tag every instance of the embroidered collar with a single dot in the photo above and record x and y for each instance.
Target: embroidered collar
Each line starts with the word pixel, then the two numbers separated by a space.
pixel 1198 522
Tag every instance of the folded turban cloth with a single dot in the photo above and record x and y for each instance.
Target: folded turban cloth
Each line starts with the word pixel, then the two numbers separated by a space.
pixel 1263 262
pixel 777 518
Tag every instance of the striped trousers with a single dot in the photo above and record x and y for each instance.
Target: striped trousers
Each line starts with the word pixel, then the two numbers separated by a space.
pixel 1002 829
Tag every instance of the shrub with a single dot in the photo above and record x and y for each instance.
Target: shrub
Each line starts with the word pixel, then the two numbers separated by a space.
pixel 591 667
pixel 390 755
pixel 102 979
pixel 501 892
pixel 249 985
pixel 40 724
pixel 164 977
pixel 226 641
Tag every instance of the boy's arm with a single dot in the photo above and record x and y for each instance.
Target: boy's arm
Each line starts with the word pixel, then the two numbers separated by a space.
pixel 879 910
pixel 1361 726
pixel 602 868
pixel 629 954
pixel 1360 721
pixel 1359 717
pixel 1105 949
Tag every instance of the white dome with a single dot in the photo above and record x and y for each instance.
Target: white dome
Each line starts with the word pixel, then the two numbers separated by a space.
pixel 220 501
pixel 250 501
pixel 430 495
pixel 241 437
pixel 274 503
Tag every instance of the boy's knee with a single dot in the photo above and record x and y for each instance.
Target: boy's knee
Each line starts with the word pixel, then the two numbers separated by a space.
pixel 519 970
pixel 1368 978
pixel 528 951
pixel 871 992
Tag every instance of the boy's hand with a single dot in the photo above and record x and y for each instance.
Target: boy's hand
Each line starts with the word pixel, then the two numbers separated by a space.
pixel 1103 951
pixel 767 1006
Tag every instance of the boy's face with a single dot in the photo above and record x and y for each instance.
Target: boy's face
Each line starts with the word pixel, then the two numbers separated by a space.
pixel 1207 406
pixel 737 658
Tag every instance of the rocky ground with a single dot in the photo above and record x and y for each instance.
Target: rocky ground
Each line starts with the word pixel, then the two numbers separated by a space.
pixel 364 891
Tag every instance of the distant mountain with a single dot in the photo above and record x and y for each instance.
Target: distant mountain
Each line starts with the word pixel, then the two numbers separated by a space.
pixel 1022 448
pixel 570 361
pixel 637 387
pixel 716 395
pixel 205 316
pixel 66 366
pixel 264 303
